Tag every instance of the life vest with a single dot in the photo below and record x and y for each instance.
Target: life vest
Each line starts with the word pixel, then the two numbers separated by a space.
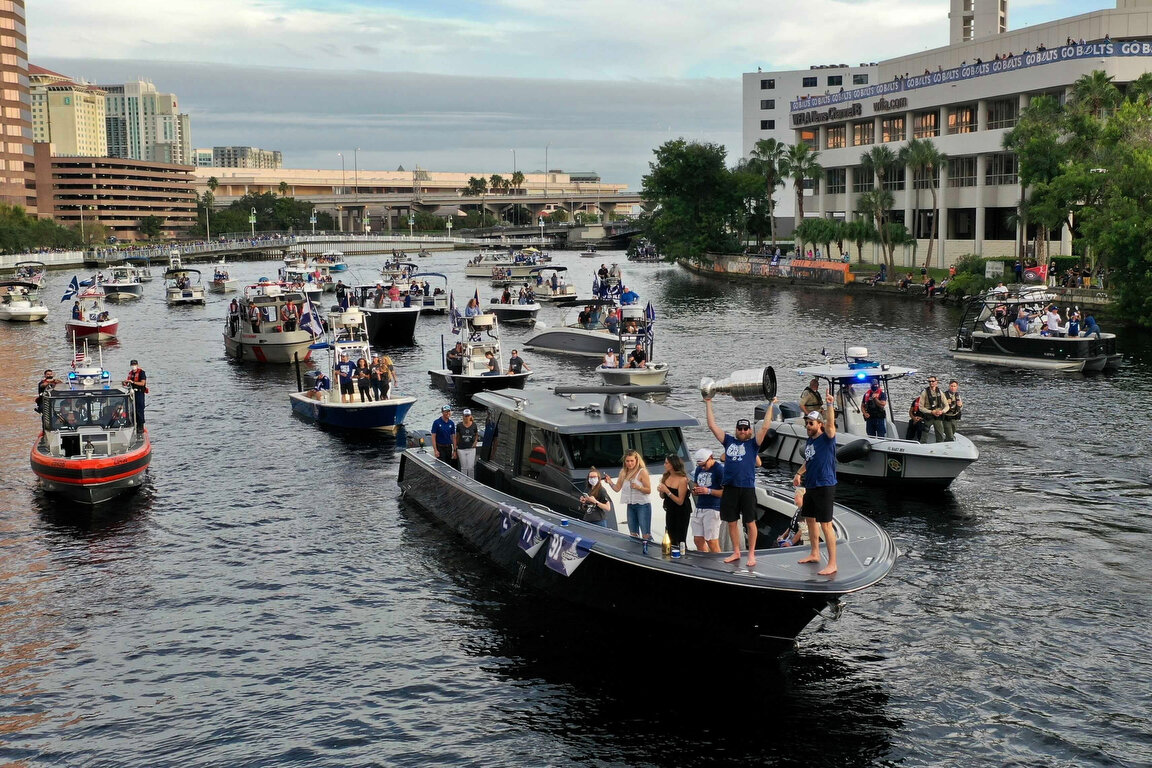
pixel 872 407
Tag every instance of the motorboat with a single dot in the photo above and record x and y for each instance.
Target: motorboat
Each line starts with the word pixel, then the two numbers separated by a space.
pixel 432 298
pixel 222 281
pixel 889 460
pixel 20 302
pixel 122 283
pixel 30 272
pixel 143 267
pixel 334 260
pixel 590 327
pixel 523 512
pixel 590 252
pixel 480 335
pixel 643 250
pixel 90 319
pixel 635 327
pixel 182 284
pixel 505 266
pixel 300 278
pixel 514 311
pixel 398 271
pixel 550 285
pixel 987 334
pixel 388 326
pixel 348 335
pixel 271 323
pixel 89 449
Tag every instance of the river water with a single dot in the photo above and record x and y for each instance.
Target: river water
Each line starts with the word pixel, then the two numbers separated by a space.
pixel 268 600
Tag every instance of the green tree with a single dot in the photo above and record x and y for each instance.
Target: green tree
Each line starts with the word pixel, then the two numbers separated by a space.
pixel 150 226
pixel 283 189
pixel 860 231
pixel 767 157
pixel 875 204
pixel 800 165
pixel 692 199
pixel 925 159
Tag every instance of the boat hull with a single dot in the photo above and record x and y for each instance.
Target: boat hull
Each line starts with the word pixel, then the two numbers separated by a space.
pixel 656 373
pixel 1048 353
pixel 92 480
pixel 91 330
pixel 269 347
pixel 24 315
pixel 756 611
pixel 391 327
pixel 572 341
pixel 123 292
pixel 384 415
pixel 223 286
pixel 466 386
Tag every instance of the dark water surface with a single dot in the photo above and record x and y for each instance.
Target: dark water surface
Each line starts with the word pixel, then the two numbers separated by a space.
pixel 268 600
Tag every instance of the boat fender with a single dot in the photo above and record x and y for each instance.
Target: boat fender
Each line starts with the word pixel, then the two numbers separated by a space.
pixel 857 449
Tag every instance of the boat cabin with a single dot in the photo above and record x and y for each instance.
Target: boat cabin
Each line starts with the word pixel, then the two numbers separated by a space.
pixel 539 444
pixel 87 416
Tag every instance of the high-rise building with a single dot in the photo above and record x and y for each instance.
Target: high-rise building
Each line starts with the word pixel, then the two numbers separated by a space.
pixel 239 157
pixel 143 124
pixel 67 115
pixel 17 167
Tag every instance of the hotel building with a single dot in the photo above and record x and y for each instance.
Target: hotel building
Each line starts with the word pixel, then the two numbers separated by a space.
pixel 965 97
pixel 67 115
pixel 17 169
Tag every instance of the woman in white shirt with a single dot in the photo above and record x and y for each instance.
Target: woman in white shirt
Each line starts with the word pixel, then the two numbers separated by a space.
pixel 634 485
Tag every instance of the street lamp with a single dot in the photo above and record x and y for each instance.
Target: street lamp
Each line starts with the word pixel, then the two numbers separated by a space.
pixel 411 223
pixel 356 174
pixel 312 219
pixel 541 233
pixel 252 222
pixel 343 181
pixel 546 146
pixel 367 226
pixel 449 225
pixel 208 215
pixel 514 216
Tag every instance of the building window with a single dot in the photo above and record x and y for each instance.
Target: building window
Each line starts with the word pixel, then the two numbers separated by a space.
pixel 962 172
pixel 1002 169
pixel 835 79
pixel 837 179
pixel 768 84
pixel 1003 113
pixel 894 179
pixel 859 79
pixel 863 180
pixel 836 137
pixel 767 103
pixel 962 119
pixel 863 133
pixel 767 125
pixel 925 125
pixel 924 179
pixel 809 137
pixel 892 129
pixel 809 82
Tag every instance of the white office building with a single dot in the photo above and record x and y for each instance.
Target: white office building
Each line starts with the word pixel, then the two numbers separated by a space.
pixel 143 124
pixel 964 97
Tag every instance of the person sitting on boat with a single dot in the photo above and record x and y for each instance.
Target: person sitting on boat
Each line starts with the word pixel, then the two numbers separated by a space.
pixel 629 296
pixel 516 364
pixel 875 407
pixel 613 323
pixel 1000 288
pixel 322 386
pixel 595 503
pixel 77 312
pixel 810 398
pixel 610 360
pixel 506 297
pixel 638 358
pixel 455 358
pixel 118 418
pixel 631 328
pixel 492 363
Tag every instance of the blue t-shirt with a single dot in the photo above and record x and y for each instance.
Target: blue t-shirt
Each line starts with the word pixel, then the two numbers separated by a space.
pixel 709 478
pixel 323 383
pixel 820 462
pixel 740 461
pixel 442 431
pixel 345 368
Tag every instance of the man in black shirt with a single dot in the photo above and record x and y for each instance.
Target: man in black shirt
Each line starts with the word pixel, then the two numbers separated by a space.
pixel 638 358
pixel 516 363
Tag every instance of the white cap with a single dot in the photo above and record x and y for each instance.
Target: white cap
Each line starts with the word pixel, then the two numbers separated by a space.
pixel 702 455
pixel 466 412
pixel 815 416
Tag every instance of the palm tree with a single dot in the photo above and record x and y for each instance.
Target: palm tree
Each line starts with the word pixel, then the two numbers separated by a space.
pixel 283 189
pixel 799 164
pixel 925 159
pixel 875 205
pixel 881 161
pixel 768 156
pixel 1096 93
pixel 1139 88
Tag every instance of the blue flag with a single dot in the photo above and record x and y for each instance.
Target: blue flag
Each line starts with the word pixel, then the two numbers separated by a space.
pixel 650 318
pixel 310 322
pixel 453 313
pixel 73 289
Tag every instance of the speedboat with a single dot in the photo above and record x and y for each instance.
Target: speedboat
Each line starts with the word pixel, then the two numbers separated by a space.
pixel 986 334
pixel 334 260
pixel 590 252
pixel 89 319
pixel 30 272
pixel 550 285
pixel 89 449
pixel 431 298
pixel 348 335
pixel 256 328
pixel 636 326
pixel 143 269
pixel 480 335
pixel 522 511
pixel 222 281
pixel 505 266
pixel 888 460
pixel 123 283
pixel 182 284
pixel 388 326
pixel 512 312
pixel 20 302
pixel 587 335
pixel 301 279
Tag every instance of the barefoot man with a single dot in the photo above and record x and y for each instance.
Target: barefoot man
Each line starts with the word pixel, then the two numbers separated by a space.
pixel 818 476
pixel 739 499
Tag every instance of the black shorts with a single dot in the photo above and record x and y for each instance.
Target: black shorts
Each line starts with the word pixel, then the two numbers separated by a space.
pixel 346 388
pixel 818 503
pixel 738 504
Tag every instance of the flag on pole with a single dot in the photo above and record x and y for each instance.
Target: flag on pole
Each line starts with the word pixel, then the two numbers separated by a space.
pixel 73 289
pixel 309 320
pixel 454 313
pixel 649 319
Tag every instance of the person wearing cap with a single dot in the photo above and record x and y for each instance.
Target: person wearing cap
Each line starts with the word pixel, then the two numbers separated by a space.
pixel 1052 325
pixel 810 398
pixel 1073 329
pixel 346 373
pixel 818 476
pixel 464 440
pixel 137 380
pixel 933 405
pixel 738 501
pixel 708 488
pixel 610 360
pixel 954 412
pixel 323 384
pixel 875 406
pixel 444 437
pixel 516 364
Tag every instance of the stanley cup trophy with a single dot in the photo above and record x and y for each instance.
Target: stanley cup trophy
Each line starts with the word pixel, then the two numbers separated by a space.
pixel 752 384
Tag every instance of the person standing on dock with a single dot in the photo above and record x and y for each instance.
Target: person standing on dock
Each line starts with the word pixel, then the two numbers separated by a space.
pixel 818 476
pixel 739 499
pixel 444 437
pixel 138 381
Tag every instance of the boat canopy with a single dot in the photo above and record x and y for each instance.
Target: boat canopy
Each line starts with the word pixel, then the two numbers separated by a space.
pixel 429 274
pixel 19 284
pixel 547 267
pixel 856 371
pixel 176 271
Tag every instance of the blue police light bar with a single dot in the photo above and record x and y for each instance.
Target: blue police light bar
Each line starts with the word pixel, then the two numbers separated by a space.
pixel 861 376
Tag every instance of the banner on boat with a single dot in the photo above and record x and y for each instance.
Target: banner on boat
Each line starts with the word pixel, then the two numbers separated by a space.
pixel 566 551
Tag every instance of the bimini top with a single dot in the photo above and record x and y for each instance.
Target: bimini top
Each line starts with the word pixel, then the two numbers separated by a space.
pixel 586 410
pixel 549 268
pixel 850 371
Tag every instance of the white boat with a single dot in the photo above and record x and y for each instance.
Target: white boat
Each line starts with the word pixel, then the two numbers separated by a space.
pixel 20 302
pixel 334 260
pixel 299 278
pixel 504 266
pixel 549 284
pixel 89 319
pixel 512 310
pixel 636 327
pixel 30 272
pixel 594 329
pixel 348 335
pixel 480 335
pixel 652 374
pixel 589 252
pixel 255 328
pixel 431 298
pixel 122 283
pixel 986 334
pixel 888 460
pixel 182 286
pixel 222 281
pixel 143 270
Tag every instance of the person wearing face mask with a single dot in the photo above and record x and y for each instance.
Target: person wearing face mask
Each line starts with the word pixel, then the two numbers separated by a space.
pixel 594 502
pixel 138 381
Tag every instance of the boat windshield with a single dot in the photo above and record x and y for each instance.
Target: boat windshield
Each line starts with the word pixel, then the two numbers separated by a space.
pixel 90 410
pixel 607 448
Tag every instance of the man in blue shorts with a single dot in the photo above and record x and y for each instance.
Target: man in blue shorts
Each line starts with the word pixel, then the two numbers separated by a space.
pixel 818 476
pixel 739 499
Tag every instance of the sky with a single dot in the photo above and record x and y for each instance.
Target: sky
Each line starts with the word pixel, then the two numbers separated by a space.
pixel 457 86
